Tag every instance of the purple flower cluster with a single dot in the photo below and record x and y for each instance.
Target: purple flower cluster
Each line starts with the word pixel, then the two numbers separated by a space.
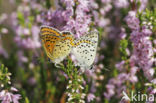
pixel 142 45
pixel 54 19
pixel 119 82
pixel 90 97
pixel 100 18
pixel 79 22
pixel 9 97
pixel 75 20
pixel 141 56
pixel 143 4
pixel 27 36
pixel 121 3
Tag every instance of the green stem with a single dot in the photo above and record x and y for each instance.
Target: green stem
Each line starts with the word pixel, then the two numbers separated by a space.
pixel 43 81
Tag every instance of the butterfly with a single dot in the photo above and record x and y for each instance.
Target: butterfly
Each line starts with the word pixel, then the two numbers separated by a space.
pixel 85 48
pixel 57 44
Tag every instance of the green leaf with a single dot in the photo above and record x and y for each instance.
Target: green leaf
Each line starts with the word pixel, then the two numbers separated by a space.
pixel 20 17
pixel 26 100
pixel 123 46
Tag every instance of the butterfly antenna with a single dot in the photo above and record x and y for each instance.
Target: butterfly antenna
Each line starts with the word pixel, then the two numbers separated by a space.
pixel 92 68
pixel 107 69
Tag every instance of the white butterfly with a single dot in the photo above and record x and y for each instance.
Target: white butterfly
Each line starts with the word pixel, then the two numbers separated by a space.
pixel 85 49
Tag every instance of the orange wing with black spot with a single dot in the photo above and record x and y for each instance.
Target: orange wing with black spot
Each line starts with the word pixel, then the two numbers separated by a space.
pixel 68 36
pixel 49 30
pixel 49 37
pixel 56 44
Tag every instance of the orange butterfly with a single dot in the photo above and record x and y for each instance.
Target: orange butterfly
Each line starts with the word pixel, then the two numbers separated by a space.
pixel 57 44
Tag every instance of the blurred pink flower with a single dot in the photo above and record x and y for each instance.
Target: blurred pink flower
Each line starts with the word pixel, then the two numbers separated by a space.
pixel 9 97
pixel 132 20
pixel 90 97
pixel 3 52
pixel 121 3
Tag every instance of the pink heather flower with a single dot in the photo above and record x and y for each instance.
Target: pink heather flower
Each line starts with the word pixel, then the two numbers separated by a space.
pixel 13 89
pixel 132 20
pixel 118 82
pixel 133 78
pixel 56 19
pixel 99 17
pixel 3 17
pixel 64 19
pixel 105 1
pixel 153 81
pixel 121 3
pixel 146 32
pixel 120 65
pixel 143 49
pixel 68 3
pixel 80 24
pixel 26 31
pixel 26 38
pixel 153 91
pixel 150 89
pixel 149 73
pixel 32 81
pixel 8 97
pixel 35 36
pixel 134 70
pixel 123 33
pixel 109 93
pixel 128 51
pixel 142 46
pixel 103 22
pixel 110 90
pixel 21 57
pixel 3 52
pixel 98 99
pixel 93 4
pixel 120 90
pixel 143 4
pixel 90 97
pixel 4 30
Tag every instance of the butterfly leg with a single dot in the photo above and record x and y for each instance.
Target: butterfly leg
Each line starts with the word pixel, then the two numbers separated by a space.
pixel 59 65
pixel 49 61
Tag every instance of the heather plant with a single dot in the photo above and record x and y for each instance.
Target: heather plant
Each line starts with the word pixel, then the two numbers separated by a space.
pixel 6 94
pixel 123 70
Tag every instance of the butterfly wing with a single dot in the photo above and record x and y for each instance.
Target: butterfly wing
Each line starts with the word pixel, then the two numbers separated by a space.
pixel 49 37
pixel 61 50
pixel 49 42
pixel 56 44
pixel 85 49
pixel 63 47
pixel 46 30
